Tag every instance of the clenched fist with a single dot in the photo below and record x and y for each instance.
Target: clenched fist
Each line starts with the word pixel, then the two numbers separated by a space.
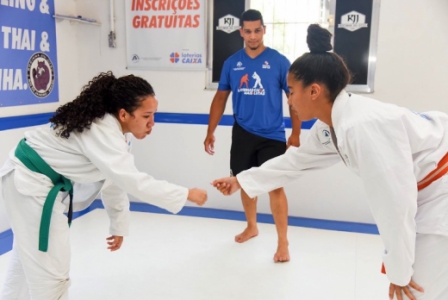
pixel 197 196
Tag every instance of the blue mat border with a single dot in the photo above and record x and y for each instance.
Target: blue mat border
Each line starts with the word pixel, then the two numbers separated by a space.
pixel 6 237
pixel 7 123
pixel 214 213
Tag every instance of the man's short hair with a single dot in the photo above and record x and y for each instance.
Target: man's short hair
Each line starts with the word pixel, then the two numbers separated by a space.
pixel 251 15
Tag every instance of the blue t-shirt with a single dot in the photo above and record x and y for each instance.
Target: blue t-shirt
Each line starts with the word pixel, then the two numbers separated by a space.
pixel 257 85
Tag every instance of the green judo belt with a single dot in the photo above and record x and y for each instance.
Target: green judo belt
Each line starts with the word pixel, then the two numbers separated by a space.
pixel 29 157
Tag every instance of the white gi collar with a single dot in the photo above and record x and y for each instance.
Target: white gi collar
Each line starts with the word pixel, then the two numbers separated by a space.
pixel 338 108
pixel 113 121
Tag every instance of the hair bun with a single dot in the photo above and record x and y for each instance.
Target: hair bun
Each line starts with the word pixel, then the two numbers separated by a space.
pixel 318 39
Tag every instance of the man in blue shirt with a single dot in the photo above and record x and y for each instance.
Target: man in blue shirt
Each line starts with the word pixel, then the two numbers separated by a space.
pixel 256 76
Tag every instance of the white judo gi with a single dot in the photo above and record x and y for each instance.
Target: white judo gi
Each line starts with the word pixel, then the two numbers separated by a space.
pixel 96 159
pixel 391 148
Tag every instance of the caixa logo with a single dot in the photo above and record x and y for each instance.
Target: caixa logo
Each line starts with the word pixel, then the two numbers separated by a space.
pixel 353 21
pixel 191 58
pixel 174 57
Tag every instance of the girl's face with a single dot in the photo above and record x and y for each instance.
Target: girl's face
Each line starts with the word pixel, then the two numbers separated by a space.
pixel 141 121
pixel 301 98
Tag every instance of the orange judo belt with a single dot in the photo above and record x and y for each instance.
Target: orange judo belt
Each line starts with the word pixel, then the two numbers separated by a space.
pixel 442 169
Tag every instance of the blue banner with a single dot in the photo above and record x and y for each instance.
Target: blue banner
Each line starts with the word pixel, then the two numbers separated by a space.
pixel 28 55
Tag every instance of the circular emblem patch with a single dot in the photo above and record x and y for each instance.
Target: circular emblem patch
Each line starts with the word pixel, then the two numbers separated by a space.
pixel 40 75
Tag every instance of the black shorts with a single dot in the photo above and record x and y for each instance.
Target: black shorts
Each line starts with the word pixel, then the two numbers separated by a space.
pixel 249 150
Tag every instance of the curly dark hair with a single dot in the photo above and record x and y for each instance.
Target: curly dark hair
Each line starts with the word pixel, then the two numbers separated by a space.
pixel 103 94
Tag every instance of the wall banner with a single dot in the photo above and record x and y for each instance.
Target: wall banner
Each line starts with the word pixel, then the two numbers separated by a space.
pixel 355 39
pixel 28 55
pixel 165 35
pixel 226 35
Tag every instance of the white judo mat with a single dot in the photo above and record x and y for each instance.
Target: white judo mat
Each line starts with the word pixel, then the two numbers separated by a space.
pixel 170 257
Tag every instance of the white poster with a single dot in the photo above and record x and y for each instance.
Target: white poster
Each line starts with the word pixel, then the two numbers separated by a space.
pixel 165 35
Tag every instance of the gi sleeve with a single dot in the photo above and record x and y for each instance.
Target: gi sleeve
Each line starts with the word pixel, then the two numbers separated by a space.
pixel 384 158
pixel 107 150
pixel 116 203
pixel 313 154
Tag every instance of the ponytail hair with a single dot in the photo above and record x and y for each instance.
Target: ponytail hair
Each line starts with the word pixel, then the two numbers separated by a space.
pixel 319 65
pixel 103 94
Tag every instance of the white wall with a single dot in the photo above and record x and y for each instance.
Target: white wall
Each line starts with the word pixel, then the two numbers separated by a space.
pixel 411 71
pixel 412 61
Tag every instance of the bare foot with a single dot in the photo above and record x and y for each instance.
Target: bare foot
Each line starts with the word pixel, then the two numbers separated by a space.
pixel 246 234
pixel 282 254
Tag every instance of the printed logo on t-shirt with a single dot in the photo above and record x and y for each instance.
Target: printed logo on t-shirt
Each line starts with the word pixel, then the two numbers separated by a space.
pixel 239 66
pixel 257 80
pixel 244 80
pixel 266 65
pixel 257 88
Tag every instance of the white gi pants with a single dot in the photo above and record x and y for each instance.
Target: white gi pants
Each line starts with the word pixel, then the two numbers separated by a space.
pixel 44 274
pixel 431 247
pixel 431 267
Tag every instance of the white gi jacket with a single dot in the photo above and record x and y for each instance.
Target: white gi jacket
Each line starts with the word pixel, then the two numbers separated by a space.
pixel 96 159
pixel 391 148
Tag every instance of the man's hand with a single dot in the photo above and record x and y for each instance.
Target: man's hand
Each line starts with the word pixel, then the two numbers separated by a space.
pixel 293 140
pixel 209 144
